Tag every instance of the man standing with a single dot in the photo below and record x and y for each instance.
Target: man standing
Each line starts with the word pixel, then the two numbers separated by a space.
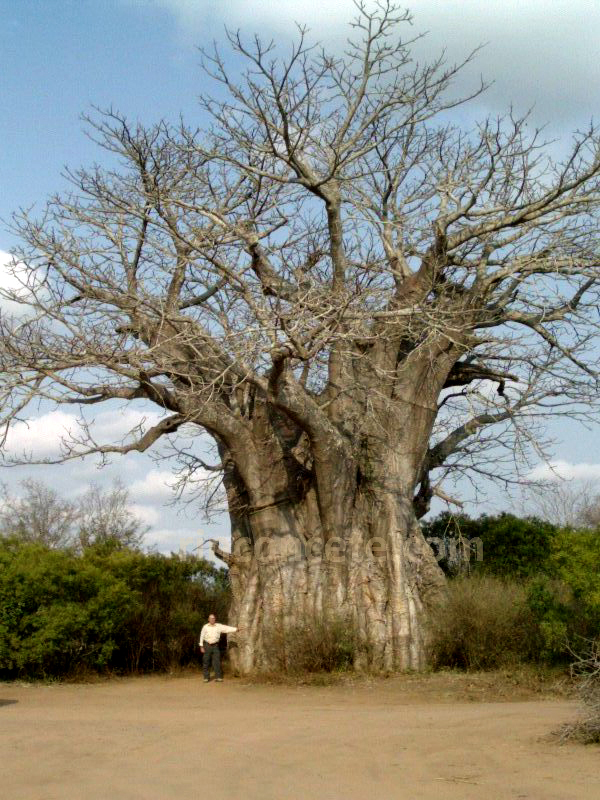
pixel 209 646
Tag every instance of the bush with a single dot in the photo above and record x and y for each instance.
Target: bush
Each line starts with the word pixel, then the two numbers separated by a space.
pixel 321 644
pixel 174 596
pixel 485 623
pixel 566 599
pixel 555 568
pixel 108 608
pixel 550 602
pixel 575 562
pixel 58 614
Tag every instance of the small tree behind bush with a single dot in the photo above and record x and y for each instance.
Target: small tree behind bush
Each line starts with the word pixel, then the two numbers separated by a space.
pixel 36 513
pixel 103 515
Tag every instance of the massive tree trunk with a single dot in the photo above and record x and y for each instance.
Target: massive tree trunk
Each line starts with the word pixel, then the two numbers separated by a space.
pixel 325 535
pixel 378 574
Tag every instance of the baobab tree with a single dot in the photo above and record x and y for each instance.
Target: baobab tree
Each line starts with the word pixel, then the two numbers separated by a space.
pixel 352 296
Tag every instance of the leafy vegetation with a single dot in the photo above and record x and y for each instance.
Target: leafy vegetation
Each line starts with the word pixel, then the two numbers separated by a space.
pixel 510 545
pixel 107 608
pixel 534 593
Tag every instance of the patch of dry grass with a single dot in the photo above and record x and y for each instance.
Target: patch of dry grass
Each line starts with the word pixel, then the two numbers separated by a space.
pixel 319 645
pixel 523 682
pixel 484 623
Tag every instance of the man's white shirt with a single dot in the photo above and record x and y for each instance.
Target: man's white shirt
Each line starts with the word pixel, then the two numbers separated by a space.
pixel 210 634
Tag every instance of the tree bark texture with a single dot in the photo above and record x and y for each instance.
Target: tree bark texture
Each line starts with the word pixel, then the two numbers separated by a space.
pixel 330 533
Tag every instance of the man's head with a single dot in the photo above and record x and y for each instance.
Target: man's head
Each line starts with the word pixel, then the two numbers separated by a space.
pixel 212 619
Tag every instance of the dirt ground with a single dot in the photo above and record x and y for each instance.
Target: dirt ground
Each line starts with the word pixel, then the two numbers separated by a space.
pixel 404 738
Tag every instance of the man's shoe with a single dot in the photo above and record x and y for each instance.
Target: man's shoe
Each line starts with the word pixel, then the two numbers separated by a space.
pixel 219 680
pixel 205 680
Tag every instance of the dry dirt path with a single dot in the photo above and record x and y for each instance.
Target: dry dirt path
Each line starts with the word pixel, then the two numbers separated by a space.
pixel 177 738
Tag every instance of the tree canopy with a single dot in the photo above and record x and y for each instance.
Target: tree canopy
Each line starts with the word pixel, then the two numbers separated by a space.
pixel 329 206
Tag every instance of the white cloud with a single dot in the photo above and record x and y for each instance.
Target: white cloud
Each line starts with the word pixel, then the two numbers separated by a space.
pixel 40 437
pixel 538 53
pixel 147 514
pixel 113 425
pixel 326 16
pixel 157 486
pixel 165 540
pixel 154 487
pixel 148 486
pixel 564 470
pixel 178 540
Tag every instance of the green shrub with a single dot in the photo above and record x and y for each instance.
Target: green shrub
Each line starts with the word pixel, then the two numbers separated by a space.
pixel 108 608
pixel 57 613
pixel 566 599
pixel 575 562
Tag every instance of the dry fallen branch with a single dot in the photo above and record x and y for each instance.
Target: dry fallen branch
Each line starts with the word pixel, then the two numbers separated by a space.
pixel 586 670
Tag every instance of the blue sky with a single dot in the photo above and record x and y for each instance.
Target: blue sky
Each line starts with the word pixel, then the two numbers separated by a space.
pixel 60 57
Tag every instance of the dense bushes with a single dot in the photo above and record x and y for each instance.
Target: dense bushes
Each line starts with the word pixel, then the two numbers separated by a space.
pixel 485 622
pixel 108 608
pixel 57 612
pixel 535 592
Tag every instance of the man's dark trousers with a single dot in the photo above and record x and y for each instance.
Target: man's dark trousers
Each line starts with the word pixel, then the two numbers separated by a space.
pixel 211 654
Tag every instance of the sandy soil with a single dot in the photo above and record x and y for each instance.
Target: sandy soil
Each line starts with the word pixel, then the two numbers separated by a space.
pixel 163 738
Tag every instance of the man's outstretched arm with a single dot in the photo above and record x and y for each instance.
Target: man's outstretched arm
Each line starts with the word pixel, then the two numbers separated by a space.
pixel 227 629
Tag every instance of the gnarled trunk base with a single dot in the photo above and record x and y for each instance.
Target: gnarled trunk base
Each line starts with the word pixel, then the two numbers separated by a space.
pixel 379 579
